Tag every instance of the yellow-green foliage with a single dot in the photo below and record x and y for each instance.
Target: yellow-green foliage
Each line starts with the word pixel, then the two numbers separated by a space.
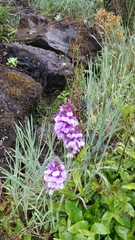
pixel 110 23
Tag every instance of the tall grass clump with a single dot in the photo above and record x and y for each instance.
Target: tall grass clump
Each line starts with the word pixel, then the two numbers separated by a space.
pixel 6 28
pixel 116 70
pixel 80 9
pixel 126 8
pixel 23 181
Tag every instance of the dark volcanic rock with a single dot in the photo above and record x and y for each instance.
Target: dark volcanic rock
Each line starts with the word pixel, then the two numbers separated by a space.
pixel 61 37
pixel 28 62
pixel 19 94
pixel 35 30
pixel 45 66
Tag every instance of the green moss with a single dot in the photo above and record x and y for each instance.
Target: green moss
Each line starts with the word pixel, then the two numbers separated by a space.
pixel 19 95
pixel 12 92
pixel 20 84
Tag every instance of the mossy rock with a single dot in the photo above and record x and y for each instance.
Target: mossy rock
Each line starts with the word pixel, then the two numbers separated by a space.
pixel 19 94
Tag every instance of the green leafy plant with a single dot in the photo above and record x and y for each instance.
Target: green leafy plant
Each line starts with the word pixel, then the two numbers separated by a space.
pixel 63 96
pixel 12 61
pixel 102 215
pixel 58 17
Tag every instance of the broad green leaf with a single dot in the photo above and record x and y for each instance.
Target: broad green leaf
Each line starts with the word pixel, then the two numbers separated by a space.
pixel 127 221
pixel 129 186
pixel 131 195
pixel 73 212
pixel 19 224
pixel 131 238
pixel 30 223
pixel 116 237
pixel 107 217
pixel 86 232
pixel 56 206
pixel 132 139
pixel 68 193
pixel 112 204
pixel 108 238
pixel 99 228
pixel 63 221
pixel 77 226
pixel 27 237
pixel 122 231
pixel 127 207
pixel 81 153
pixel 125 176
pixel 132 230
pixel 90 235
pixel 65 234
pixel 118 218
pixel 91 238
pixel 79 237
pixel 130 152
